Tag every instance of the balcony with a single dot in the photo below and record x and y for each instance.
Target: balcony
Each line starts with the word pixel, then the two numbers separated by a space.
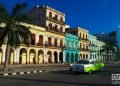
pixel 53 30
pixel 83 49
pixel 84 39
pixel 54 46
pixel 55 20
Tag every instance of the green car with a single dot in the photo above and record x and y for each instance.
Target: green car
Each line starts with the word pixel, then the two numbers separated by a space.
pixel 87 66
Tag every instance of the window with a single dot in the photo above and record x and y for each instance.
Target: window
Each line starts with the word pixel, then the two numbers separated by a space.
pixel 61 29
pixel 50 15
pixel 33 39
pixel 50 26
pixel 61 19
pixel 86 36
pixel 56 17
pixel 56 27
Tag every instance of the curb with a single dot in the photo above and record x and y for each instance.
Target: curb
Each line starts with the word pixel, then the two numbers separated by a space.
pixel 21 73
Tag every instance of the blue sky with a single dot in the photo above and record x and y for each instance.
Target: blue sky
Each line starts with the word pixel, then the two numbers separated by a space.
pixel 95 15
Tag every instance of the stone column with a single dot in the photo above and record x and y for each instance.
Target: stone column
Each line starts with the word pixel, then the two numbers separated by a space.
pixel 16 55
pixel 69 57
pixel 53 58
pixel 3 57
pixel 58 58
pixel 36 56
pixel 36 39
pixel 64 57
pixel 28 55
pixel 45 39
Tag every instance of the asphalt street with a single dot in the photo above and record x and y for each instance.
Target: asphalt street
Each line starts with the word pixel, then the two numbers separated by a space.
pixel 63 78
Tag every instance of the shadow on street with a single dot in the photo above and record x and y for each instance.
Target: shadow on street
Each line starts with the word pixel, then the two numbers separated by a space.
pixel 58 82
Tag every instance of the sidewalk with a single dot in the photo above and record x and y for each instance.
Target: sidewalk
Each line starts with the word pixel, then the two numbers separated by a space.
pixel 34 68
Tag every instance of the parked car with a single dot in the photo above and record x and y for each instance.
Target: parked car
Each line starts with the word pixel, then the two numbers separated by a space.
pixel 87 66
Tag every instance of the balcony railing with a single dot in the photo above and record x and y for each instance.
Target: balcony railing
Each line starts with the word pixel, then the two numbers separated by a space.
pixel 54 30
pixel 84 39
pixel 83 49
pixel 56 20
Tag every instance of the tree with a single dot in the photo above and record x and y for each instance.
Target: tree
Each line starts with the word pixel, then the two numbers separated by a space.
pixel 108 49
pixel 13 33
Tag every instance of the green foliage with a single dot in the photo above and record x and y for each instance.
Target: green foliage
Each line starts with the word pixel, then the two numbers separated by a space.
pixel 13 30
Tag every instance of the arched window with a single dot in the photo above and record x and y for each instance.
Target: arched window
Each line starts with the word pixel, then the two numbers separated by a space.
pixel 33 39
pixel 50 15
pixel 61 19
pixel 55 42
pixel 86 36
pixel 56 17
pixel 50 26
pixel 61 29
pixel 86 56
pixel 61 43
pixel 41 40
pixel 83 36
pixel 56 27
pixel 49 41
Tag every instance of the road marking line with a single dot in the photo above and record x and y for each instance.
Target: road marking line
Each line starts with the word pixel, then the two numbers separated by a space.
pixel 21 72
pixel 40 71
pixel 5 74
pixel 28 72
pixel 13 73
pixel 34 71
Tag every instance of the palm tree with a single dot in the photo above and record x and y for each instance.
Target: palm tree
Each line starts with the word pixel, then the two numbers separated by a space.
pixel 13 33
pixel 108 49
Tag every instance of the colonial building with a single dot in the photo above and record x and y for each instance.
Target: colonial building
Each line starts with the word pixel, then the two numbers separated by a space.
pixel 113 38
pixel 100 56
pixel 71 52
pixel 52 42
pixel 93 47
pixel 54 22
pixel 83 42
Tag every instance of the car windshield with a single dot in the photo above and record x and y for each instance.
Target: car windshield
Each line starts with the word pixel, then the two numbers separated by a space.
pixel 83 62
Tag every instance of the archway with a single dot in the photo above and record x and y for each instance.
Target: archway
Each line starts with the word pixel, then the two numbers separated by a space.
pixel 86 56
pixel 11 58
pixel 76 57
pixel 49 57
pixel 23 56
pixel 55 57
pixel 61 57
pixel 67 57
pixel 49 41
pixel 32 59
pixel 1 53
pixel 41 40
pixel 40 56
pixel 72 57
pixel 55 42
pixel 50 15
pixel 83 56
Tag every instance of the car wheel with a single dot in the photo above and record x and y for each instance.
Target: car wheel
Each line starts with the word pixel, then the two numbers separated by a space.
pixel 90 71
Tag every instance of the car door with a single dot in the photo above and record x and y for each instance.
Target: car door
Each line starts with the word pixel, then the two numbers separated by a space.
pixel 97 66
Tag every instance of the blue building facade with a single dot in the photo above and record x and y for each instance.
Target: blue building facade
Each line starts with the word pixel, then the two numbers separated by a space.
pixel 71 52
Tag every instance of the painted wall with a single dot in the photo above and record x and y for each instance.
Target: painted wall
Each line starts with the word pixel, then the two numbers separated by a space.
pixel 71 53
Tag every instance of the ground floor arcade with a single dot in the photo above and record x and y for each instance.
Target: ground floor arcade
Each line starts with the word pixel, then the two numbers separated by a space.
pixel 71 56
pixel 32 55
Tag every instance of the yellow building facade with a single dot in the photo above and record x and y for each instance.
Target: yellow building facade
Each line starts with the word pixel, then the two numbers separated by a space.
pixel 46 42
pixel 84 43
